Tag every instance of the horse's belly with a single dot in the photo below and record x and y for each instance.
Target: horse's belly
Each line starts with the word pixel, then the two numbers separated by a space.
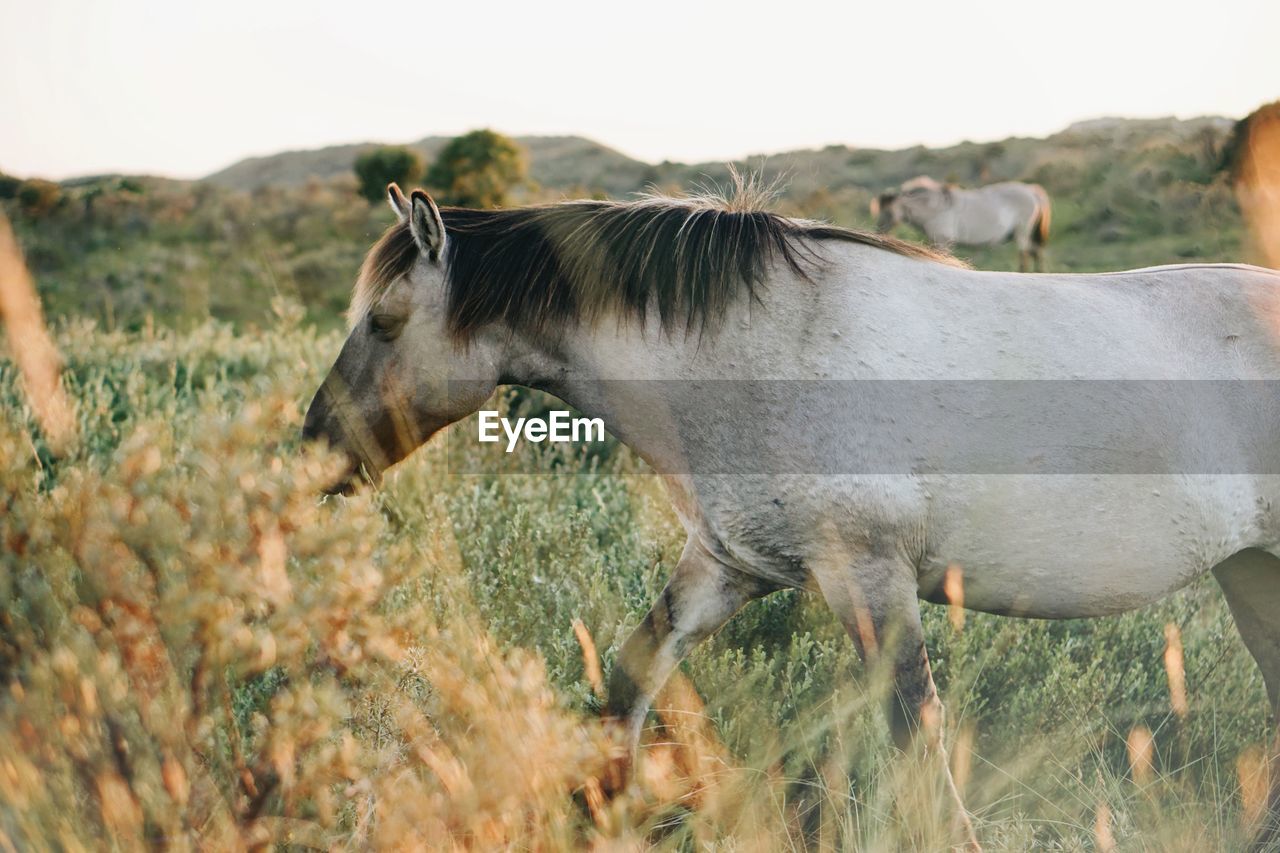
pixel 1068 546
pixel 987 234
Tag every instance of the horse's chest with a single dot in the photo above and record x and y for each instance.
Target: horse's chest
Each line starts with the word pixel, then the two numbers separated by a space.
pixel 746 523
pixel 777 527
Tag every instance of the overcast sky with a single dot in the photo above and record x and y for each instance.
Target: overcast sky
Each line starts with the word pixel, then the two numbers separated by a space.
pixel 182 88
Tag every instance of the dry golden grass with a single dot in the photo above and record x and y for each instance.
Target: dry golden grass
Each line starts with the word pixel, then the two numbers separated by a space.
pixel 30 344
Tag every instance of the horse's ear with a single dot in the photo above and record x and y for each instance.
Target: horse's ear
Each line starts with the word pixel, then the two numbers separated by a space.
pixel 398 202
pixel 425 224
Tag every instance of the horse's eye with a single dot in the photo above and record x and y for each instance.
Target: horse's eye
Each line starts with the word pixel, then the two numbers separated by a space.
pixel 386 326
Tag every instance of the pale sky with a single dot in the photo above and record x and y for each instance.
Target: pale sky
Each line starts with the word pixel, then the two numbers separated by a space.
pixel 184 88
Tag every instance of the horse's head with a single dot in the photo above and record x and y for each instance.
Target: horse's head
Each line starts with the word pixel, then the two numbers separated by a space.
pixel 916 202
pixel 401 376
pixel 886 210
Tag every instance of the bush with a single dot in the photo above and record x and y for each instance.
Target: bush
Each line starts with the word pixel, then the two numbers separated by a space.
pixel 38 197
pixel 381 166
pixel 213 658
pixel 478 169
pixel 9 186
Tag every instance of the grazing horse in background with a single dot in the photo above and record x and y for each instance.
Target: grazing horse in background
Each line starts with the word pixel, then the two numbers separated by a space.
pixel 833 410
pixel 987 216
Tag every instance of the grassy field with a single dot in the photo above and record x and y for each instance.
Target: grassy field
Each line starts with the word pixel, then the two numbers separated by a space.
pixel 196 649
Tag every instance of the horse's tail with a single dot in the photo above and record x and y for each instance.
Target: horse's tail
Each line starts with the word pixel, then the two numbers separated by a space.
pixel 1040 225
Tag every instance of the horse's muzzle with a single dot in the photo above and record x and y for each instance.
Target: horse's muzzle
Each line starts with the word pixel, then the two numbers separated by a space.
pixel 347 482
pixel 317 427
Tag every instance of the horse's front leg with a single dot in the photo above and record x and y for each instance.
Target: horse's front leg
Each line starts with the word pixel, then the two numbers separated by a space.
pixel 700 596
pixel 876 600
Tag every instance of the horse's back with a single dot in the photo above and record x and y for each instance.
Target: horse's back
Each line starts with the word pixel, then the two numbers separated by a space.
pixel 1164 478
pixel 923 321
pixel 1175 461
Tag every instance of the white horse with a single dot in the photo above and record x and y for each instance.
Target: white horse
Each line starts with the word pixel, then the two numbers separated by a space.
pixel 766 366
pixel 986 216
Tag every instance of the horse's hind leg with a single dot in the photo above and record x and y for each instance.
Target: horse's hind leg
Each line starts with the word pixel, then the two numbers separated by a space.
pixel 1250 581
pixel 700 596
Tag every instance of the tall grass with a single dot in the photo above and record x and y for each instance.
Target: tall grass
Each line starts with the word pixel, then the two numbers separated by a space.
pixel 196 651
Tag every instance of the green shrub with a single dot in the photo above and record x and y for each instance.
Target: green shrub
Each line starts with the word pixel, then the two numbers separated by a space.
pixel 9 186
pixel 38 197
pixel 478 169
pixel 388 164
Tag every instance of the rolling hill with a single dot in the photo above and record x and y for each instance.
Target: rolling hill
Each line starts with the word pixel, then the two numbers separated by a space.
pixel 559 162
pixel 291 226
pixel 580 166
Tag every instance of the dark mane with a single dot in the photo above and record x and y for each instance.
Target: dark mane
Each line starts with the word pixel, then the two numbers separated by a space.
pixel 535 267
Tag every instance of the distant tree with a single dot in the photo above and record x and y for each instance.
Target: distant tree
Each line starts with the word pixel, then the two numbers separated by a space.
pixel 388 164
pixel 37 197
pixel 478 169
pixel 9 186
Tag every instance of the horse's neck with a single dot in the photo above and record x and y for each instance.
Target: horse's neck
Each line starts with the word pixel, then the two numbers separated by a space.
pixel 623 374
pixel 798 328
pixel 652 386
pixel 582 355
pixel 940 222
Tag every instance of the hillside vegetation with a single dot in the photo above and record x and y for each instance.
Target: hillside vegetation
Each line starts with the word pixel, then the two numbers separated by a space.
pixel 1125 193
pixel 557 162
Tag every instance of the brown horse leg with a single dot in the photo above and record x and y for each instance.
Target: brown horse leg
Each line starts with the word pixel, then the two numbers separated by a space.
pixel 700 597
pixel 1250 580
